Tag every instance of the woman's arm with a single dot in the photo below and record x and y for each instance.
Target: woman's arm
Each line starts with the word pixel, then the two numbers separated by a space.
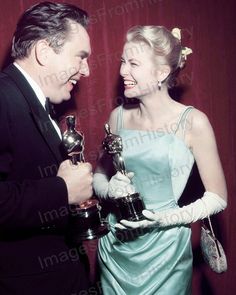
pixel 104 164
pixel 107 182
pixel 200 138
pixel 203 144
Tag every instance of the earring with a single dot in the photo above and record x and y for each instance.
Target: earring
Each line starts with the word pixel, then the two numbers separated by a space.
pixel 159 85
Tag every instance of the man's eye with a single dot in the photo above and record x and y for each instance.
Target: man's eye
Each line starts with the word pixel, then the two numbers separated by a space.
pixel 80 57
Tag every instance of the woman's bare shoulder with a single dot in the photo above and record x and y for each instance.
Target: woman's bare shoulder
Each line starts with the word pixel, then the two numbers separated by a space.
pixel 199 121
pixel 126 109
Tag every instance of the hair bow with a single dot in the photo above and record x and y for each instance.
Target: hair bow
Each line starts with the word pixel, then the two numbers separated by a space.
pixel 176 32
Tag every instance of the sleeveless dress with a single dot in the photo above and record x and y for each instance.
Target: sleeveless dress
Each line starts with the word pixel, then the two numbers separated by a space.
pixel 155 261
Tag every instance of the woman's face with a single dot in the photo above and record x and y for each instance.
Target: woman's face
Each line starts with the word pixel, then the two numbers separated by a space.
pixel 138 70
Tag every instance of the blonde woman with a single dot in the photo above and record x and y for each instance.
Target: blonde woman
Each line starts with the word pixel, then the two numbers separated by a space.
pixel 161 140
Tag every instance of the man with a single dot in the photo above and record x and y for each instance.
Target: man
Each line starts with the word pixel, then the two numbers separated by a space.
pixel 50 50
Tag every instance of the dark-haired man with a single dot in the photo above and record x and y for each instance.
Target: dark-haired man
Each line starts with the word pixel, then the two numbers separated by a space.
pixel 50 50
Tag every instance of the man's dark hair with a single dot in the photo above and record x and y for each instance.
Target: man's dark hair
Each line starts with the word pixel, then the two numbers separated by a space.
pixel 49 21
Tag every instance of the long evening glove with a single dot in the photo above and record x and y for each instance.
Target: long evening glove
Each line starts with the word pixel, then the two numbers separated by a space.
pixel 209 204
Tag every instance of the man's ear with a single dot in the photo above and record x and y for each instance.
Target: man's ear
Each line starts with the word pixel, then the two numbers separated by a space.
pixel 42 51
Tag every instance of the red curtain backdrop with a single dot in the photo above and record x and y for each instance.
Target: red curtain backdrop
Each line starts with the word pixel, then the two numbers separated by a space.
pixel 208 28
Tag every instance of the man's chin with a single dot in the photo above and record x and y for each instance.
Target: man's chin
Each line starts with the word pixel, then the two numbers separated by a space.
pixel 66 98
pixel 59 100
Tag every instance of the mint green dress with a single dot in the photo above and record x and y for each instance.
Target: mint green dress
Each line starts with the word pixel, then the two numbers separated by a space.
pixel 153 261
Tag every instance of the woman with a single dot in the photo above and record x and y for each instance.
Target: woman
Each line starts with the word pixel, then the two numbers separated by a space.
pixel 161 139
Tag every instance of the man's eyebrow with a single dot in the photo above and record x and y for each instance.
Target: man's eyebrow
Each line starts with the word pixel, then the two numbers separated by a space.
pixel 83 54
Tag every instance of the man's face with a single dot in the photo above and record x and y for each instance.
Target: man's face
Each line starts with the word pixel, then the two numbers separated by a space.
pixel 65 68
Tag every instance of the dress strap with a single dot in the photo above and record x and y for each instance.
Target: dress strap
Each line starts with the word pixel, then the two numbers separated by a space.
pixel 119 118
pixel 183 120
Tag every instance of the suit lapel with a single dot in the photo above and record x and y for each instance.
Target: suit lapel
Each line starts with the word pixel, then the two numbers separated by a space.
pixel 39 115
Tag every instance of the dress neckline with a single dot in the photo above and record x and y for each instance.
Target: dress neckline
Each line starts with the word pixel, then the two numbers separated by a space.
pixel 163 134
pixel 181 117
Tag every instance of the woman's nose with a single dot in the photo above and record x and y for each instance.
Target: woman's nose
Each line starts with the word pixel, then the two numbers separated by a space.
pixel 124 69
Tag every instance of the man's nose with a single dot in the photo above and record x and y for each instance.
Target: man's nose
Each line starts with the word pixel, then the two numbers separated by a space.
pixel 84 69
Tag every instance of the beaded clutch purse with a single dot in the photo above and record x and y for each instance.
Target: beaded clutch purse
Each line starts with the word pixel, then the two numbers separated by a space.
pixel 212 250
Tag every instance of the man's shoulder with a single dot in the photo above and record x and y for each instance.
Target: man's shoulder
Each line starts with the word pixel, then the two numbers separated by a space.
pixel 5 79
pixel 3 76
pixel 9 91
pixel 9 78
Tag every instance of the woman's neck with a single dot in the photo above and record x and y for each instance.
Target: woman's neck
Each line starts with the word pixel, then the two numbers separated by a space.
pixel 155 106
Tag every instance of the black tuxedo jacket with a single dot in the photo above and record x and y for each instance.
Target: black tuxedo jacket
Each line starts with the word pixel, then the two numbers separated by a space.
pixel 34 255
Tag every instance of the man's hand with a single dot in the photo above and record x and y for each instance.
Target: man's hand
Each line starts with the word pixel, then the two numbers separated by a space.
pixel 78 179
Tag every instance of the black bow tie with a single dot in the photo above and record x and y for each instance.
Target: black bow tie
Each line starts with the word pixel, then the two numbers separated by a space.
pixel 50 109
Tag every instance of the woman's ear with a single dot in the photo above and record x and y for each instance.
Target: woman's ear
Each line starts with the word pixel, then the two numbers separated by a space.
pixel 42 51
pixel 162 72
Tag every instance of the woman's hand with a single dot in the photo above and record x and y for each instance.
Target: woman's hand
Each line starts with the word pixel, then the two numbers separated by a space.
pixel 120 185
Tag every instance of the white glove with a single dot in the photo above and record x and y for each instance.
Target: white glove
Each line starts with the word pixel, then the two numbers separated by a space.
pixel 118 186
pixel 100 184
pixel 209 204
